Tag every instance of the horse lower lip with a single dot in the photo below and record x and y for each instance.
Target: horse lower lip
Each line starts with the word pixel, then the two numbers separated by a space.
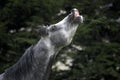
pixel 77 19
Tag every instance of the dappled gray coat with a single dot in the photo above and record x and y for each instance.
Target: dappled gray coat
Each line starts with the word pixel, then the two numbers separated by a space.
pixel 36 62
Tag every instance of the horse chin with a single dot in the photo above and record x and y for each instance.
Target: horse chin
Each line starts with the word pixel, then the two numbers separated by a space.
pixel 78 20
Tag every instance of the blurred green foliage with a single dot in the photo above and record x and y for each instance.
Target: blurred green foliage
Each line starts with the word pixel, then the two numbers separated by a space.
pixel 98 36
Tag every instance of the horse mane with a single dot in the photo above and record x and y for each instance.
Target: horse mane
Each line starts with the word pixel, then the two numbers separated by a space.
pixel 22 67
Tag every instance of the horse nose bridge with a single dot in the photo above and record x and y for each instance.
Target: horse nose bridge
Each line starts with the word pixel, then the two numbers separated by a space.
pixel 61 24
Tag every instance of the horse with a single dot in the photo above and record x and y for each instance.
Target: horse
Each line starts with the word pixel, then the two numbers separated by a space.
pixel 36 62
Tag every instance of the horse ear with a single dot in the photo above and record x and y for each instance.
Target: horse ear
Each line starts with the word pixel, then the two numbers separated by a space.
pixel 42 30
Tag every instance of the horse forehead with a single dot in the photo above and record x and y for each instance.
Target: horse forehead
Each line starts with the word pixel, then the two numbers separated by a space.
pixel 63 22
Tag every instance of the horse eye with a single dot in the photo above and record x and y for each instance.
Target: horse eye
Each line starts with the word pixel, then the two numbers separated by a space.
pixel 53 28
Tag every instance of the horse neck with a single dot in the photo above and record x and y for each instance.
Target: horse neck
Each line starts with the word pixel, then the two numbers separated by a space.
pixel 27 68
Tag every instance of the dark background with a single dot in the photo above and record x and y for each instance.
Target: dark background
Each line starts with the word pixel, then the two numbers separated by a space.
pixel 95 50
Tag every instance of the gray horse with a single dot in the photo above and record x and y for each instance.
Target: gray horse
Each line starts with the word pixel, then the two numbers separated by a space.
pixel 36 62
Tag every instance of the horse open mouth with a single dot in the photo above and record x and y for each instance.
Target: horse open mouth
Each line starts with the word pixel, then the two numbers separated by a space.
pixel 77 18
pixel 76 13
